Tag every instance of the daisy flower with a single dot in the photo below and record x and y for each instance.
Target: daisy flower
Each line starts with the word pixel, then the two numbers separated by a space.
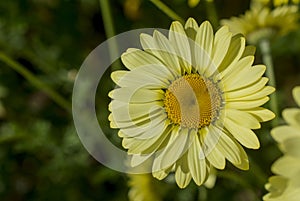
pixel 262 22
pixel 285 185
pixel 187 101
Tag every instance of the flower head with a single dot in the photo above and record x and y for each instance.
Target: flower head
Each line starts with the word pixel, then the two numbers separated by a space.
pixel 189 100
pixel 286 185
pixel 262 22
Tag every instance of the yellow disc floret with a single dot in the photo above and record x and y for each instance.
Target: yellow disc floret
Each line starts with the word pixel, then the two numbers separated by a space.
pixel 192 101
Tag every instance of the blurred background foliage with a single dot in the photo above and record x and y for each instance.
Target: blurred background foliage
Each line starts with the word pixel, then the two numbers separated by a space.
pixel 41 156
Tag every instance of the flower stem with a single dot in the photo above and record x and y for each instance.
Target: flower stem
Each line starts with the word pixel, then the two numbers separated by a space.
pixel 267 59
pixel 168 11
pixel 109 31
pixel 234 177
pixel 212 13
pixel 57 98
pixel 202 193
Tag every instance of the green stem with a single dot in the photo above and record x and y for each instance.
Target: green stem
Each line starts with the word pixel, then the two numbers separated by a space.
pixel 212 13
pixel 110 31
pixel 259 175
pixel 233 177
pixel 202 193
pixel 267 59
pixel 57 98
pixel 168 11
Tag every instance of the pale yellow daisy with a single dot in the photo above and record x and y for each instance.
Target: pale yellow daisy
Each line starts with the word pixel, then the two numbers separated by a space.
pixel 189 100
pixel 262 22
pixel 286 186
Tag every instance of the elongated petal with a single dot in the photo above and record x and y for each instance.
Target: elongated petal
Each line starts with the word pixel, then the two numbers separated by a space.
pixel 296 94
pixel 244 135
pixel 292 116
pixel 203 47
pixel 173 150
pixel 181 45
pixel 261 114
pixel 249 90
pixel 243 118
pixel 244 105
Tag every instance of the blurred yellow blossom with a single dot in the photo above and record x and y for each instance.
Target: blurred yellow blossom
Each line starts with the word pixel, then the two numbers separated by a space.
pixel 262 22
pixel 286 185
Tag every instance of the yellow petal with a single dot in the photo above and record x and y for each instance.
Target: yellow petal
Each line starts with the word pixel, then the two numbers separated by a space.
pixel 196 160
pixel 132 95
pixel 175 148
pixel 234 53
pixel 191 27
pixel 162 173
pixel 210 140
pixel 230 149
pixel 286 166
pixel 292 116
pixel 221 46
pixel 246 104
pixel 182 173
pixel 244 78
pixel 283 133
pixel 261 114
pixel 243 118
pixel 296 95
pixel 181 45
pixel 203 46
pixel 244 135
pixel 231 95
pixel 291 146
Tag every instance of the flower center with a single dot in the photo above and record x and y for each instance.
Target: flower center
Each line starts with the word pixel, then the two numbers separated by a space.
pixel 192 101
